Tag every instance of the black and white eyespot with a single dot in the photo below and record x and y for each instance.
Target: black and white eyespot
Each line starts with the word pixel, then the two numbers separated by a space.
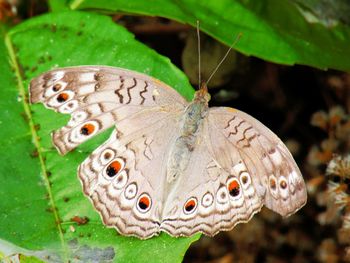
pixel 58 86
pixel 130 191
pixel 272 183
pixel 222 195
pixel 55 88
pixel 283 187
pixel 245 179
pixel 120 180
pixel 190 205
pixel 144 203
pixel 207 200
pixel 107 155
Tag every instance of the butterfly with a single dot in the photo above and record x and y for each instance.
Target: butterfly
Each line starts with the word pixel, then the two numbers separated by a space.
pixel 169 165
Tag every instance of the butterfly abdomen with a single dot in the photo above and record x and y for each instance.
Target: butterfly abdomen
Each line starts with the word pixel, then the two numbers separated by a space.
pixel 184 145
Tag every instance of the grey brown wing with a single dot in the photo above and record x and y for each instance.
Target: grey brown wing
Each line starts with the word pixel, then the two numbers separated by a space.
pixel 97 97
pixel 272 166
pixel 214 193
pixel 124 178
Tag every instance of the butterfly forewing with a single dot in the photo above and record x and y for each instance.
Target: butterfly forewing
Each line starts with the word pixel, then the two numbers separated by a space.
pixel 97 97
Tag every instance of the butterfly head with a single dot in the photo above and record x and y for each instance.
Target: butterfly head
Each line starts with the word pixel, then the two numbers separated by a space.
pixel 202 95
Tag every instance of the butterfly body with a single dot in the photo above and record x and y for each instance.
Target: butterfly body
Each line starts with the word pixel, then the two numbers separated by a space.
pixel 169 165
pixel 192 121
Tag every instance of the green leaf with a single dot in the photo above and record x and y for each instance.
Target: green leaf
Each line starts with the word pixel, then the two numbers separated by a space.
pixel 58 5
pixel 20 170
pixel 40 192
pixel 273 30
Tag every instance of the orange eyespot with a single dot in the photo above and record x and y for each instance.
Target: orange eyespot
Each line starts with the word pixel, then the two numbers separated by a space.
pixel 233 188
pixel 144 202
pixel 62 97
pixel 87 129
pixel 113 168
pixel 190 205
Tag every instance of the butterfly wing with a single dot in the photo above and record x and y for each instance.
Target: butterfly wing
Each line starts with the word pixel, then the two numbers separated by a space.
pixel 272 166
pixel 216 191
pixel 97 97
pixel 238 166
pixel 123 177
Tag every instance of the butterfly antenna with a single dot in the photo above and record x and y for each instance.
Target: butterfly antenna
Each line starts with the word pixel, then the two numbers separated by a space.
pixel 223 59
pixel 199 55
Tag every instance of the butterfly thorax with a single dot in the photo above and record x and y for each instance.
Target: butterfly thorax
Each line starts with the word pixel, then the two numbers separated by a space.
pixel 185 143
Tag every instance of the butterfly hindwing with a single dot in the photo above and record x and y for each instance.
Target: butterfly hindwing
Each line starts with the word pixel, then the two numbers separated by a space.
pixel 123 177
